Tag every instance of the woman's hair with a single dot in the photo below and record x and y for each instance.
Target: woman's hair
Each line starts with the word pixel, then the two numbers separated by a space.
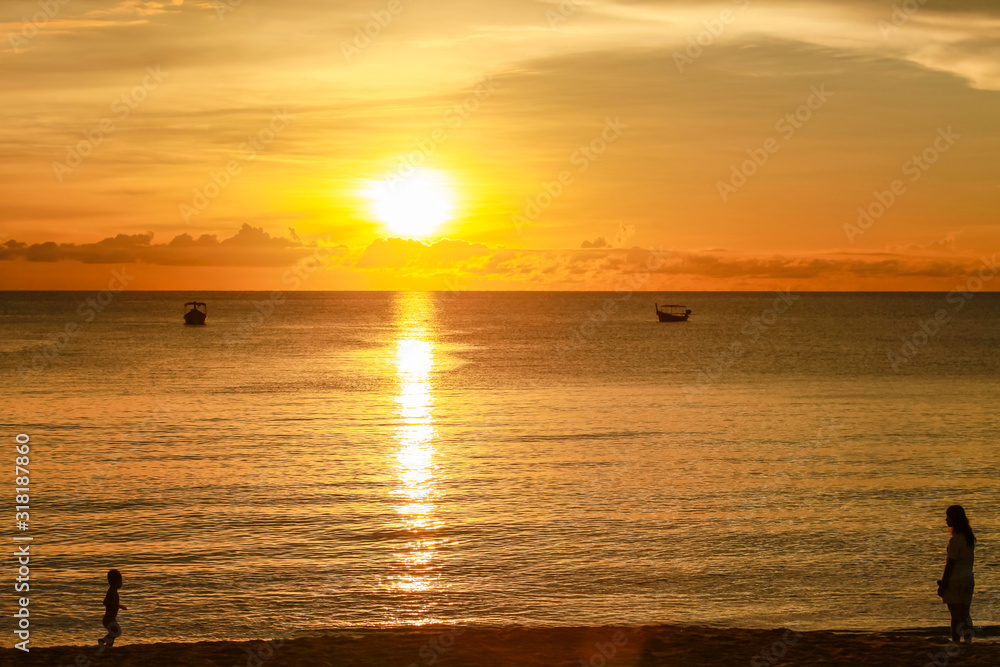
pixel 115 577
pixel 960 523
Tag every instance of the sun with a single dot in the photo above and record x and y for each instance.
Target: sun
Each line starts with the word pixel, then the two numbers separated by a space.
pixel 414 205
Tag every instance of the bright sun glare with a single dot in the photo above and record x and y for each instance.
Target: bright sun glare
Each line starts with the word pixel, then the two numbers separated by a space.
pixel 412 206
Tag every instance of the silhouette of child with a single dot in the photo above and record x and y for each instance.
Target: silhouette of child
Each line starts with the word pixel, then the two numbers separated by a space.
pixel 112 603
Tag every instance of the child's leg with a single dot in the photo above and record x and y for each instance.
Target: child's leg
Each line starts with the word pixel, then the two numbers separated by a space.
pixel 114 632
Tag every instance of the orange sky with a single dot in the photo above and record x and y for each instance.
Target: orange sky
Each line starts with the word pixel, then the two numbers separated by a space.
pixel 217 144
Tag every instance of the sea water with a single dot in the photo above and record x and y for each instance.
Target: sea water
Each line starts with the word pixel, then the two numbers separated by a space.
pixel 320 460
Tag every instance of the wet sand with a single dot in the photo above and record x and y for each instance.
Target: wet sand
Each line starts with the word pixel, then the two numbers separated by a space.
pixel 446 646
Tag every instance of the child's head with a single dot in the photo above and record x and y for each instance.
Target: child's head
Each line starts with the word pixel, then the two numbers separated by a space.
pixel 114 578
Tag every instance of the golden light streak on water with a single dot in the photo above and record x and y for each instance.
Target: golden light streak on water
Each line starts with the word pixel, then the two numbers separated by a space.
pixel 415 436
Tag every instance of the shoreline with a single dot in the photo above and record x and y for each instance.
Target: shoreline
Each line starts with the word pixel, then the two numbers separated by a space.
pixel 602 646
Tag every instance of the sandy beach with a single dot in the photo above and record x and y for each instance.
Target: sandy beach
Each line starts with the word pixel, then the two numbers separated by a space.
pixel 545 647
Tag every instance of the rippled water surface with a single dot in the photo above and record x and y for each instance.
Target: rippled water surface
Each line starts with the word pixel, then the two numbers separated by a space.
pixel 538 458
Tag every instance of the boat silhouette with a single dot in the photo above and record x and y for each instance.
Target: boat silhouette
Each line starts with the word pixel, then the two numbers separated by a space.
pixel 672 313
pixel 197 314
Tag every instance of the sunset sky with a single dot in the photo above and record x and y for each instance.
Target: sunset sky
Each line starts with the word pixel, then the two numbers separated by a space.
pixel 213 144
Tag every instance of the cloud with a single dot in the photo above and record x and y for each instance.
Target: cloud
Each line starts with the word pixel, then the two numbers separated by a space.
pixel 948 244
pixel 398 253
pixel 396 263
pixel 249 247
pixel 603 267
pixel 956 37
pixel 599 242
pixel 624 233
pixel 140 7
pixel 604 270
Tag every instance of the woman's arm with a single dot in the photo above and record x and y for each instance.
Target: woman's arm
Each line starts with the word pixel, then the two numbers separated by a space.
pixel 948 567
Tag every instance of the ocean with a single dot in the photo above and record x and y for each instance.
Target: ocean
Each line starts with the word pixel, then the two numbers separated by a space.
pixel 320 460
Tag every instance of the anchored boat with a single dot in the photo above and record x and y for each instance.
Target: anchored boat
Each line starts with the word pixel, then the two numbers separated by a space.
pixel 197 314
pixel 672 313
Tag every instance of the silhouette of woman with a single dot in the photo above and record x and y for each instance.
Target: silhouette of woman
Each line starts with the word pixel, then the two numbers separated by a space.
pixel 957 583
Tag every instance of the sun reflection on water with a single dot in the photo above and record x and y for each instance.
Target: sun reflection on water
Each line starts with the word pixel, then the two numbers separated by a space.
pixel 415 456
